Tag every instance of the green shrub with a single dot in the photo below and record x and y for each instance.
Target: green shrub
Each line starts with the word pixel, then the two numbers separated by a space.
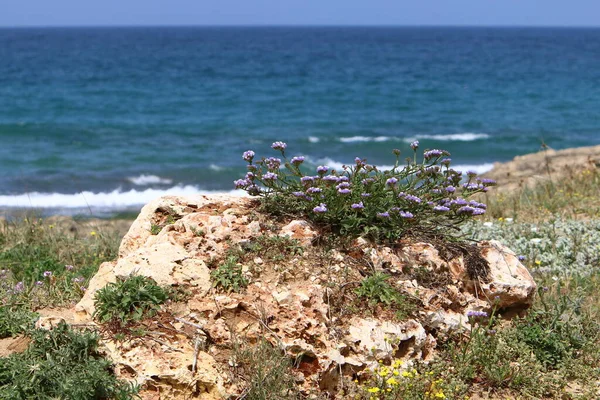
pixel 130 299
pixel 376 289
pixel 362 200
pixel 15 320
pixel 229 276
pixel 61 364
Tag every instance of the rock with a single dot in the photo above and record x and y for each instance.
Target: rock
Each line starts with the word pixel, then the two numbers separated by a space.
pixel 48 323
pixel 299 230
pixel 290 303
pixel 510 285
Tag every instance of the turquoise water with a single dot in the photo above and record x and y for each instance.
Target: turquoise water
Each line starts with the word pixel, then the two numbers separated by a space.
pixel 112 117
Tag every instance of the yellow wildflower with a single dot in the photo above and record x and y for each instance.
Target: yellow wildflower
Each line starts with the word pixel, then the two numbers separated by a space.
pixel 93 233
pixel 373 390
pixel 392 381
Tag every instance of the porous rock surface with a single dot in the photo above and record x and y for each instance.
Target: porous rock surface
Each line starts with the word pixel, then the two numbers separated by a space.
pixel 302 303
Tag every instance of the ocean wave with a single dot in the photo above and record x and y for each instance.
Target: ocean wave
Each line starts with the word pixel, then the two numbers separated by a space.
pixel 479 168
pixel 215 167
pixel 313 139
pixel 354 139
pixel 115 199
pixel 453 137
pixel 145 180
pixel 333 164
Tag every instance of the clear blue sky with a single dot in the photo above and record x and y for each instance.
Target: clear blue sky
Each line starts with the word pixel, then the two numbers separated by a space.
pixel 299 12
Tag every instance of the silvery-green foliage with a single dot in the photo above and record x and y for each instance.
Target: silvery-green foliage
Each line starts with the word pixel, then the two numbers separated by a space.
pixel 557 247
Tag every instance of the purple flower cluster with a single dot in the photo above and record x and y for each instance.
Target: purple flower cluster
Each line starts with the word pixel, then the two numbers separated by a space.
pixel 248 155
pixel 279 146
pixel 477 314
pixel 363 195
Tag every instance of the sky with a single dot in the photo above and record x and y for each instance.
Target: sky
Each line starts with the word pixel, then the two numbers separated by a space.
pixel 15 13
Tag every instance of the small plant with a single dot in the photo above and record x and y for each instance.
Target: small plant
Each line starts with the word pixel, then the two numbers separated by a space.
pixel 199 232
pixel 61 364
pixel 229 276
pixel 15 320
pixel 267 371
pixel 377 290
pixel 155 229
pixel 362 200
pixel 129 299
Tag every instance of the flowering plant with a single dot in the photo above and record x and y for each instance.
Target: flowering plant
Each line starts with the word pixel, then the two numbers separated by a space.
pixel 363 200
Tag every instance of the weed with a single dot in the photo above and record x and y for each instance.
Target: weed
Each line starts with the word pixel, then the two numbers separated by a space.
pixel 229 276
pixel 129 299
pixel 61 364
pixel 274 248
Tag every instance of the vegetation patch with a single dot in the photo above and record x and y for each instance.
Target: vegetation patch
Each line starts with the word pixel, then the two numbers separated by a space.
pixel 361 200
pixel 229 276
pixel 61 364
pixel 128 300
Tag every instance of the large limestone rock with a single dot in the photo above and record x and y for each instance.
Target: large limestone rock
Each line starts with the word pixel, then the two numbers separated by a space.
pixel 301 303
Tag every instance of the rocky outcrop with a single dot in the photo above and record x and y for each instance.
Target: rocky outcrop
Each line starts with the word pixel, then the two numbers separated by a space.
pixel 300 297
pixel 543 166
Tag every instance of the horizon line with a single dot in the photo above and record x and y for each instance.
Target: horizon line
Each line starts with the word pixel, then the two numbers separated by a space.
pixel 100 26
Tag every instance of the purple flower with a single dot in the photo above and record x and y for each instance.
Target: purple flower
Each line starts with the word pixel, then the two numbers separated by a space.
pixel 466 210
pixel 344 191
pixel 450 189
pixel 478 211
pixel 343 179
pixel 331 178
pixel 406 214
pixel 307 179
pixel 251 167
pixel 343 185
pixel 488 182
pixel 383 215
pixel 365 195
pixel 521 258
pixel 471 174
pixel 298 194
pixel 441 209
pixel 366 181
pixel 248 155
pixel 391 182
pixel 412 198
pixel 297 160
pixel 47 274
pixel 321 208
pixel 39 283
pixel 269 176
pixel 358 206
pixel 446 161
pixel 459 202
pixel 19 287
pixel 279 146
pixel 273 163
pixel 477 314
pixel 470 186
pixel 78 280
pixel 433 153
pixel 241 183
pixel 69 267
pixel 253 190
pixel 312 190
pixel 322 169
pixel 436 191
pixel 414 145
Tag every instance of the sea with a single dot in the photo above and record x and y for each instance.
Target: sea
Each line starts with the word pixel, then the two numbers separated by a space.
pixel 95 121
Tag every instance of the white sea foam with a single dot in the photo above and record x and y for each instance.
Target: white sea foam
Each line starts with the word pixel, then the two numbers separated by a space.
pixel 333 164
pixel 479 168
pixel 145 180
pixel 314 139
pixel 115 199
pixel 215 167
pixel 453 137
pixel 354 139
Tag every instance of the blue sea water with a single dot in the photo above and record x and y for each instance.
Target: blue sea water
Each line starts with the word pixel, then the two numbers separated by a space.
pixel 108 118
